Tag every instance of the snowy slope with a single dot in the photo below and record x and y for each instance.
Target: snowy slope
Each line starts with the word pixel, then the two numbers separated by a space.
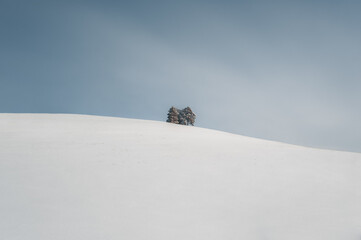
pixel 80 177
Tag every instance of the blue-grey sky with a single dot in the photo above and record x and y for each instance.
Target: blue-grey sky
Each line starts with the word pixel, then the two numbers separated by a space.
pixel 281 70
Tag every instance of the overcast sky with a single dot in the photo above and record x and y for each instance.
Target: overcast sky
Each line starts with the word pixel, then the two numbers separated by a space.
pixel 281 70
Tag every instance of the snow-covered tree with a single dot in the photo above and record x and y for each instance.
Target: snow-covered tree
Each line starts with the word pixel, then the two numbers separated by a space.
pixel 173 115
pixel 184 116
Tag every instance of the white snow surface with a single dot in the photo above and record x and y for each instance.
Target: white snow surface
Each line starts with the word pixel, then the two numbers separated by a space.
pixel 79 177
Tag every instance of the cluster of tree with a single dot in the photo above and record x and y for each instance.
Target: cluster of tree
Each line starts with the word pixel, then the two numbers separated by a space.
pixel 184 116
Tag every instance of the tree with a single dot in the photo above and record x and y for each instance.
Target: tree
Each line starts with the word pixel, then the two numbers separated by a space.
pixel 188 116
pixel 173 115
pixel 183 117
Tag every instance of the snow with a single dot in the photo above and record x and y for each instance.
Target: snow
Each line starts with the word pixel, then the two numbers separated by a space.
pixel 79 177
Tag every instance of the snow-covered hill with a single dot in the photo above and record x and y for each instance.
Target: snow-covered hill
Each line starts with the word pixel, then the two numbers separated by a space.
pixel 78 177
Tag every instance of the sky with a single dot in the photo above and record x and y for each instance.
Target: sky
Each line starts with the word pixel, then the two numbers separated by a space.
pixel 280 70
